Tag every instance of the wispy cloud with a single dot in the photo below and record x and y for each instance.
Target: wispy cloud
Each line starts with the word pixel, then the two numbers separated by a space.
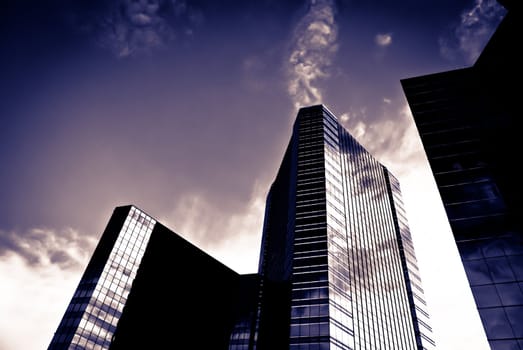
pixel 393 139
pixel 241 251
pixel 135 27
pixel 38 247
pixel 354 121
pixel 233 239
pixel 314 45
pixel 383 40
pixel 474 29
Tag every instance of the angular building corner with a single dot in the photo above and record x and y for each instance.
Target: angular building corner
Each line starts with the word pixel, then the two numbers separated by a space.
pixel 469 124
pixel 145 287
pixel 337 267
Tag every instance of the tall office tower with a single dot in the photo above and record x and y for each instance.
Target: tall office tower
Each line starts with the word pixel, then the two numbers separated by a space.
pixel 468 120
pixel 145 287
pixel 337 265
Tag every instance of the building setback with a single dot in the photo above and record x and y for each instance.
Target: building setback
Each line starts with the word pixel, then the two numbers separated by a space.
pixel 337 267
pixel 468 120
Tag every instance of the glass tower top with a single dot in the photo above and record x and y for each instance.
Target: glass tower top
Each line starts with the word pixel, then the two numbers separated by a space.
pixel 336 241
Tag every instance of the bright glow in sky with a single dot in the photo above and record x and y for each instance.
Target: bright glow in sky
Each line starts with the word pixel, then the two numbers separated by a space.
pixel 184 108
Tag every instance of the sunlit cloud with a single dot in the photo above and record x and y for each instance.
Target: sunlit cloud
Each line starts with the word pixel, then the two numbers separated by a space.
pixel 241 250
pixel 40 269
pixel 233 238
pixel 387 100
pixel 383 39
pixel 35 297
pixel 470 35
pixel 314 45
pixel 393 139
pixel 355 122
pixel 195 218
pixel 39 247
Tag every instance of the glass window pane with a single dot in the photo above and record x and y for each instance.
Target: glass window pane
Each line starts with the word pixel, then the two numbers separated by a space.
pixel 514 245
pixel 500 270
pixel 516 262
pixel 477 272
pixel 324 329
pixel 295 330
pixel 492 248
pixel 515 316
pixel 496 323
pixel 469 250
pixel 314 330
pixel 486 296
pixel 504 345
pixel 510 294
pixel 304 330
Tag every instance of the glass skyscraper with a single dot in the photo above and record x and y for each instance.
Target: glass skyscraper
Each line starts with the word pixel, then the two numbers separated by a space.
pixel 468 120
pixel 337 265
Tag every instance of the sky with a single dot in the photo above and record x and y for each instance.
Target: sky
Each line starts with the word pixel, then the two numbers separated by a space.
pixel 184 109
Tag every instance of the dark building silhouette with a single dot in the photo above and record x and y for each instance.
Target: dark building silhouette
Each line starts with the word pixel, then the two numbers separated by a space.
pixel 147 288
pixel 337 267
pixel 337 264
pixel 468 123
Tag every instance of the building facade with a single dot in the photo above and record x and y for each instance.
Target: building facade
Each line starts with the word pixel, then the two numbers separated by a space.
pixel 468 123
pixel 145 287
pixel 337 264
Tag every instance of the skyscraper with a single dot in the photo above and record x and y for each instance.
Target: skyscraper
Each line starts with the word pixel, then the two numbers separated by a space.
pixel 145 287
pixel 468 120
pixel 337 267
pixel 337 264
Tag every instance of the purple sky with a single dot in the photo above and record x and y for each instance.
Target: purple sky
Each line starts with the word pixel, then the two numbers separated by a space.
pixel 184 109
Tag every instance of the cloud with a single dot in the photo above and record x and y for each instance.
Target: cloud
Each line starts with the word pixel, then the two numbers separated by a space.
pixel 354 122
pixel 392 139
pixel 314 44
pixel 241 250
pixel 39 247
pixel 469 36
pixel 33 301
pixel 383 40
pixel 344 117
pixel 232 239
pixel 136 27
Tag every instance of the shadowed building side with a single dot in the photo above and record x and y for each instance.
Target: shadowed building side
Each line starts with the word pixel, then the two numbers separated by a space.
pixel 273 314
pixel 180 296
